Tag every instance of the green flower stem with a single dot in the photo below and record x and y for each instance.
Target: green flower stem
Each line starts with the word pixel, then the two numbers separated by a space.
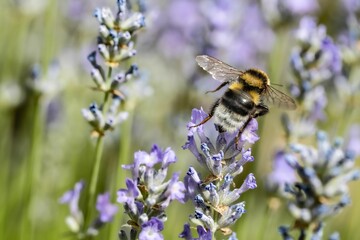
pixel 95 175
pixel 33 170
pixel 5 146
pixel 98 154
pixel 124 158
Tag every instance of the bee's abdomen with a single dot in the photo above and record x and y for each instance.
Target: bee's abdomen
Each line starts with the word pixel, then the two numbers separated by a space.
pixel 228 120
pixel 236 103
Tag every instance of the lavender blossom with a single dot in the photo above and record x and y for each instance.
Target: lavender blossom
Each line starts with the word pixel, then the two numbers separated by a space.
pixel 216 207
pixel 281 12
pixel 202 233
pixel 105 208
pixel 316 58
pixel 76 222
pixel 115 44
pixel 106 211
pixel 208 27
pixel 316 63
pixel 281 175
pixel 322 189
pixel 45 84
pixel 71 197
pixel 151 230
pixel 148 194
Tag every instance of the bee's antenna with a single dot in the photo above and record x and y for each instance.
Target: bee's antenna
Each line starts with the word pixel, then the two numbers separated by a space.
pixel 276 84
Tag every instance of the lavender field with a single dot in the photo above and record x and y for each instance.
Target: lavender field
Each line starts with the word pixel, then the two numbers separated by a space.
pixel 110 127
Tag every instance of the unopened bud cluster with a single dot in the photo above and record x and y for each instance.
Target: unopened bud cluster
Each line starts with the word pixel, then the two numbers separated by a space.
pixel 322 187
pixel 115 44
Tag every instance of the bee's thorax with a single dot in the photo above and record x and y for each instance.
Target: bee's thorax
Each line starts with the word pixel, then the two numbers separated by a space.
pixel 256 78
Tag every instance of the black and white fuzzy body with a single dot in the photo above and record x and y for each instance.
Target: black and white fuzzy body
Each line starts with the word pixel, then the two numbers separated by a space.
pixel 246 97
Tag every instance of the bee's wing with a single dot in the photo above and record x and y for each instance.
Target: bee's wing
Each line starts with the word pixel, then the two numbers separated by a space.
pixel 218 69
pixel 277 98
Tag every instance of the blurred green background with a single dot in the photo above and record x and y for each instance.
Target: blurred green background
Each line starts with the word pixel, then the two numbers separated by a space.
pixel 58 36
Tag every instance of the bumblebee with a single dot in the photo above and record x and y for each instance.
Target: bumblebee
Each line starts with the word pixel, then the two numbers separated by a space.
pixel 248 94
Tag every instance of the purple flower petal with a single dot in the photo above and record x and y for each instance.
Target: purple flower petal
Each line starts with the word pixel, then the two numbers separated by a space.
pixel 72 198
pixel 105 208
pixel 151 230
pixel 130 194
pixel 174 191
pixel 249 135
pixel 168 158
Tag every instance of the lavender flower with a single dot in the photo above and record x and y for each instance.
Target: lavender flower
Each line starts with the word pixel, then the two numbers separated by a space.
pixel 151 230
pixel 214 200
pixel 148 194
pixel 48 84
pixel 281 175
pixel 322 190
pixel 202 232
pixel 316 62
pixel 106 213
pixel 105 208
pixel 115 45
pixel 208 27
pixel 280 12
pixel 316 58
pixel 353 140
pixel 71 197
pixel 76 222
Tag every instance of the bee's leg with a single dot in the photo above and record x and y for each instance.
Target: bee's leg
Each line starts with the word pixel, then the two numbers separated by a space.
pixel 261 110
pixel 203 121
pixel 219 87
pixel 237 139
pixel 211 114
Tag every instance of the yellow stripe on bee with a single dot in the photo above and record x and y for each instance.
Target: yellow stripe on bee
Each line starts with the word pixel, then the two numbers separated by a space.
pixel 255 96
pixel 237 86
pixel 253 80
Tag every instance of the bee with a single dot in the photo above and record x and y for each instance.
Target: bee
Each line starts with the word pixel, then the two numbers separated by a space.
pixel 248 94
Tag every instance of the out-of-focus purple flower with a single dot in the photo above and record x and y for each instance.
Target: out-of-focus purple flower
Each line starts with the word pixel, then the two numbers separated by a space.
pixel 71 197
pixel 301 7
pixel 315 102
pixel 352 6
pixel 247 49
pixel 280 12
pixel 316 58
pixel 281 174
pixel 233 236
pixel 324 173
pixel 151 230
pixel 210 26
pixel 105 208
pixel 353 140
